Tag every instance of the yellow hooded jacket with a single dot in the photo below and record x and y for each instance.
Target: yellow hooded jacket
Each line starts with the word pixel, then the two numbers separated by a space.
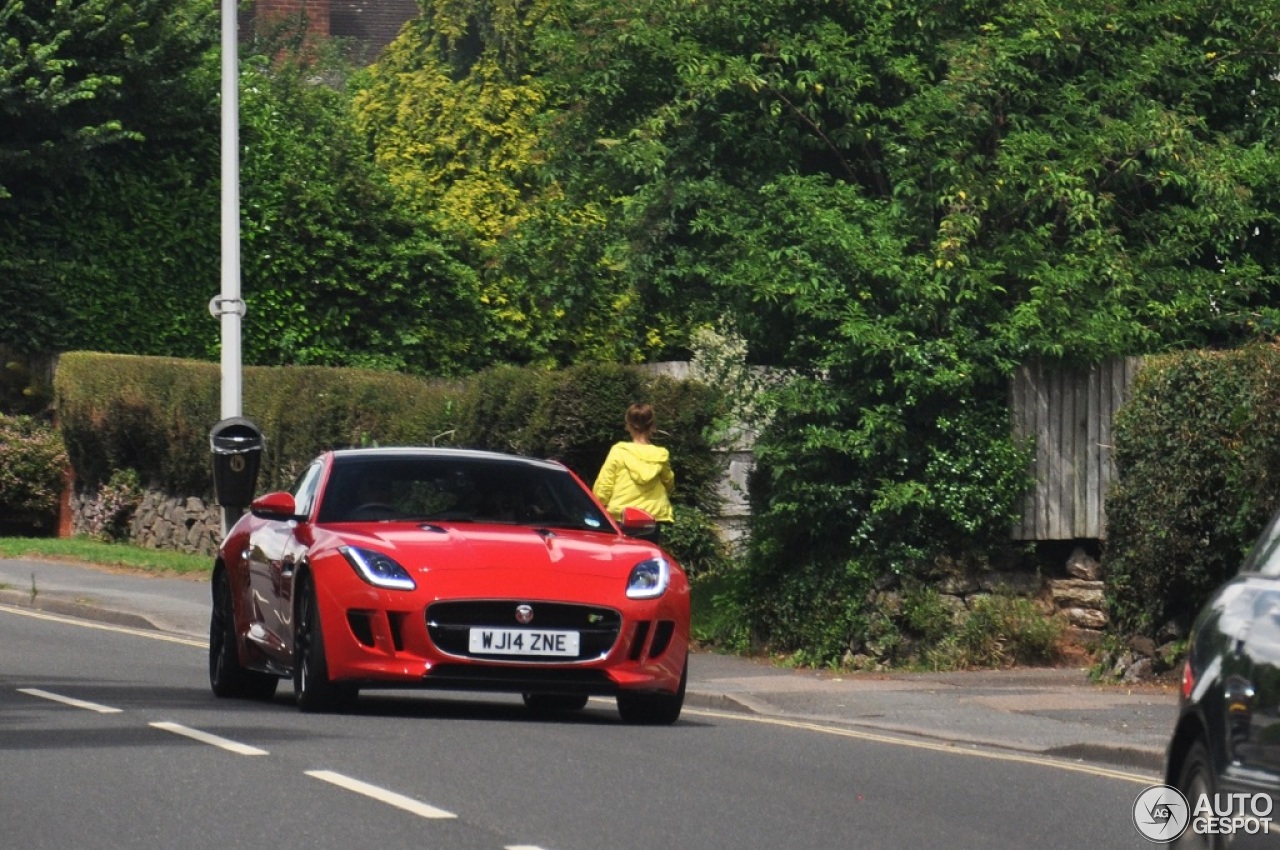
pixel 637 475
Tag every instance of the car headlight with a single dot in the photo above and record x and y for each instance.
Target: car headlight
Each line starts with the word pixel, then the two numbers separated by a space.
pixel 649 579
pixel 378 569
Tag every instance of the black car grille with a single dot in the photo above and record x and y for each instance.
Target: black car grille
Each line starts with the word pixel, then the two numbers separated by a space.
pixel 450 624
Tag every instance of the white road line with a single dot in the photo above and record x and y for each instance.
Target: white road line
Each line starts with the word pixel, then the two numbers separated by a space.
pixel 934 746
pixel 213 740
pixel 74 703
pixel 381 794
pixel 522 847
pixel 105 627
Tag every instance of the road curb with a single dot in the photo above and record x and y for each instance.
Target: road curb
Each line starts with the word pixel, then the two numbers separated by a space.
pixel 85 610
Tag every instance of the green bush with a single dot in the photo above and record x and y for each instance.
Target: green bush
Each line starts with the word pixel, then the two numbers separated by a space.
pixel 998 631
pixel 33 464
pixel 153 415
pixel 1197 451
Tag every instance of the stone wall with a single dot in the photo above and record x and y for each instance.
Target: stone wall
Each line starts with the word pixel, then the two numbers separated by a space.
pixel 160 521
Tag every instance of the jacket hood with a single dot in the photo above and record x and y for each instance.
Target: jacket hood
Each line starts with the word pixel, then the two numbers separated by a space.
pixel 642 461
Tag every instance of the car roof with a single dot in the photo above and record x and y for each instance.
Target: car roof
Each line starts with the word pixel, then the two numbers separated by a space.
pixel 438 452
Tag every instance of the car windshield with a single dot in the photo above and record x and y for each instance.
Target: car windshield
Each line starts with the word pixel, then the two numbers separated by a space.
pixel 408 488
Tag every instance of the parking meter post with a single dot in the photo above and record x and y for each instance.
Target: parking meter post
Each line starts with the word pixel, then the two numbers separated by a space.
pixel 235 445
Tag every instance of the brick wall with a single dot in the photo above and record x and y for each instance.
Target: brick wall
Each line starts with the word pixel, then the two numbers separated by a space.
pixel 316 13
pixel 373 23
pixel 369 25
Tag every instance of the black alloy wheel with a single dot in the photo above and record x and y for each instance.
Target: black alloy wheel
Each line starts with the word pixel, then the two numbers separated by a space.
pixel 1195 779
pixel 227 677
pixel 312 688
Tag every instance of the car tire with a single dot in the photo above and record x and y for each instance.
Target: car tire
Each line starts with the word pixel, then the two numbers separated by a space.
pixel 1196 778
pixel 311 686
pixel 227 677
pixel 554 703
pixel 654 709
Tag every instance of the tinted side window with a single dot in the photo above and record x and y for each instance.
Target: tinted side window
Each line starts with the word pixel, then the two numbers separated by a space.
pixel 1264 557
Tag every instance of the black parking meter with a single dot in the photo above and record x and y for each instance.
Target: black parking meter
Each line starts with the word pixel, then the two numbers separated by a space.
pixel 236 444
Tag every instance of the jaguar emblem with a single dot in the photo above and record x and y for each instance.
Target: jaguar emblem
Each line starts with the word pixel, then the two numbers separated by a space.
pixel 524 614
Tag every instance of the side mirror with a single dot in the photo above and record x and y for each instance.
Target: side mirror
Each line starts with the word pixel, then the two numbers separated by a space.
pixel 636 522
pixel 278 505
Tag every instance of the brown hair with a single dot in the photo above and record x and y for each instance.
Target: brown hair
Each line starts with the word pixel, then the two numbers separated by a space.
pixel 640 418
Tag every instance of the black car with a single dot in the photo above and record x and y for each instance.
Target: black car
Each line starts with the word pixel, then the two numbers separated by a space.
pixel 1224 755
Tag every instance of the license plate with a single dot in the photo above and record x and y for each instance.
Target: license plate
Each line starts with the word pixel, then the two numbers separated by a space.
pixel 523 642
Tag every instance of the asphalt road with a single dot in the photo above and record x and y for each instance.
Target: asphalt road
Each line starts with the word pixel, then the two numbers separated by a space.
pixel 109 738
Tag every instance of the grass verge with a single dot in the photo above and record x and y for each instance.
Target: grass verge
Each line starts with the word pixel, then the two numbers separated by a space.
pixel 86 551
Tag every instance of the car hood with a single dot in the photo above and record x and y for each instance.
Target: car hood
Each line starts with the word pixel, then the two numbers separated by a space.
pixel 518 552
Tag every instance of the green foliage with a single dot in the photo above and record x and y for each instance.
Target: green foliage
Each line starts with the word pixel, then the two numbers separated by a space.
pixel 153 416
pixel 701 549
pixel 109 150
pixel 454 116
pixel 24 386
pixel 1197 452
pixel 79 81
pixel 925 615
pixel 901 202
pixel 998 631
pixel 33 464
pixel 335 272
pixel 816 613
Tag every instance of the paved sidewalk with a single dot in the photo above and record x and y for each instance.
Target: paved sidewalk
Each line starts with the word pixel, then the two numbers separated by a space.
pixel 1055 712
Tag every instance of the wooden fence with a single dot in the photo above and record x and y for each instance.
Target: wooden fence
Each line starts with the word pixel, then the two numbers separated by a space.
pixel 1068 414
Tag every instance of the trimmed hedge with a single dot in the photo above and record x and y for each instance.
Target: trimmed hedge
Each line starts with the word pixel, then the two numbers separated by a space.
pixel 152 415
pixel 1197 450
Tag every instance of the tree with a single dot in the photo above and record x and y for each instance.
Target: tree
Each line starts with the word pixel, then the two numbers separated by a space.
pixel 107 128
pixel 455 111
pixel 900 202
pixel 80 79
pixel 336 271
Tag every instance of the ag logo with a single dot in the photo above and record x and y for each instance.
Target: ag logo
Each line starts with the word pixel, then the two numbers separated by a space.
pixel 1161 814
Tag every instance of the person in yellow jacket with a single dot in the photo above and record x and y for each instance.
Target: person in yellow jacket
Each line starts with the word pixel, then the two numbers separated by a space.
pixel 637 473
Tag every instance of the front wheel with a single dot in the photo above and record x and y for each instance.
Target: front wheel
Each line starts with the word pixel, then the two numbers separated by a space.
pixel 654 709
pixel 311 686
pixel 227 677
pixel 1195 779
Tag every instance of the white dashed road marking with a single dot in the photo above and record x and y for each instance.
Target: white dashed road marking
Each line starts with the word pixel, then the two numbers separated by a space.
pixel 74 703
pixel 213 740
pixel 391 798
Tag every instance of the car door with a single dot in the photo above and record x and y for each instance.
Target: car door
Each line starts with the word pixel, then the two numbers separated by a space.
pixel 276 547
pixel 1252 695
pixel 1259 646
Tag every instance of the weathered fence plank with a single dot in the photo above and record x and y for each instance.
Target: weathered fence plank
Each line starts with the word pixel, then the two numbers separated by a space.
pixel 1066 415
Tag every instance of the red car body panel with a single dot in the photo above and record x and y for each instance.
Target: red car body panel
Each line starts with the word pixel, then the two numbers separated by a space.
pixel 379 637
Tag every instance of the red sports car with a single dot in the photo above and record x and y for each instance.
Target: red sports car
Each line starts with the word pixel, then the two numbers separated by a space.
pixel 453 569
